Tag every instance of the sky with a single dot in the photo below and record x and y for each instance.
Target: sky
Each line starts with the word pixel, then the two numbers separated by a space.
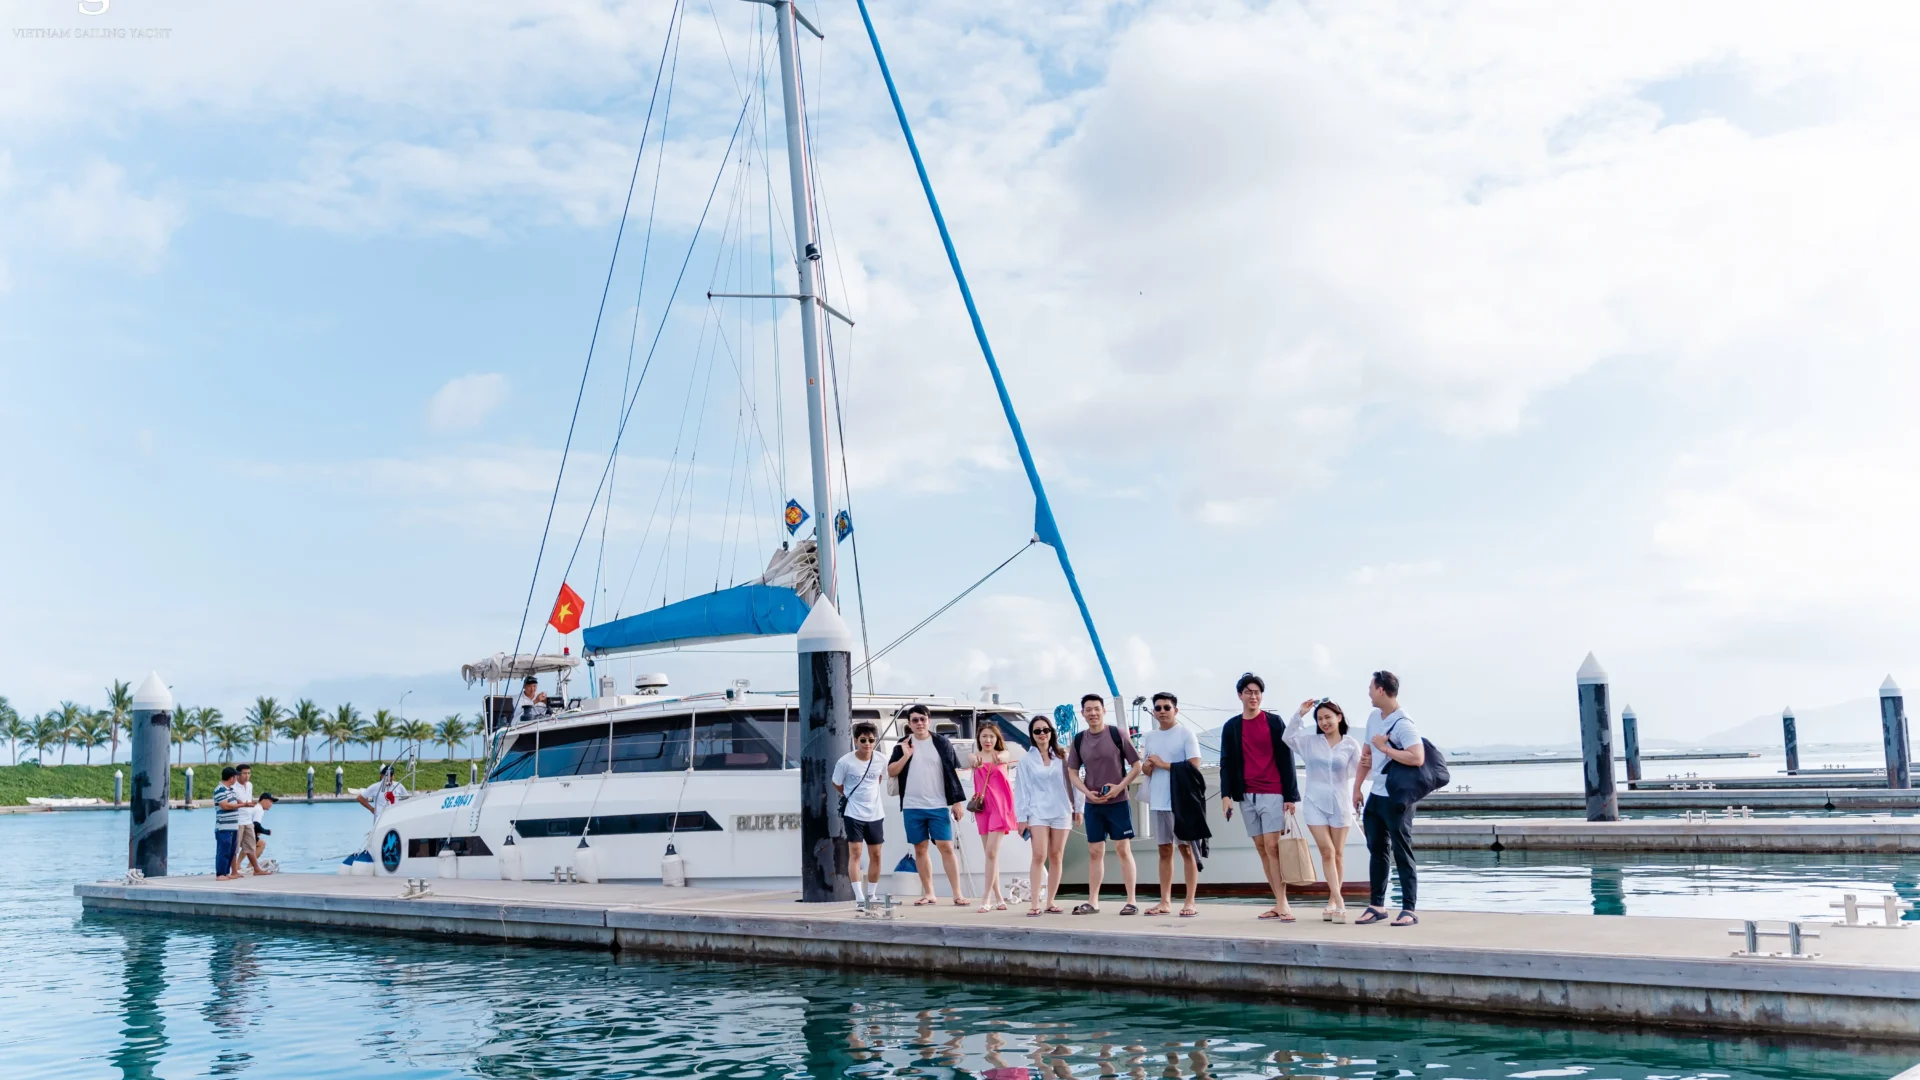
pixel 1454 339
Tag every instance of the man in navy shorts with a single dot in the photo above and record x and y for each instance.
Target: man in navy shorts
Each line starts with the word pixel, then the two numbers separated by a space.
pixel 1110 764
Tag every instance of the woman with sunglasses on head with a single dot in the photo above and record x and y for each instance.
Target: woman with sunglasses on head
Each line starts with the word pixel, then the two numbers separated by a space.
pixel 859 778
pixel 1318 733
pixel 995 818
pixel 1046 807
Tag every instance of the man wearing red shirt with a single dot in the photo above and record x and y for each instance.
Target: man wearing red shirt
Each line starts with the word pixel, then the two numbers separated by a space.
pixel 1256 771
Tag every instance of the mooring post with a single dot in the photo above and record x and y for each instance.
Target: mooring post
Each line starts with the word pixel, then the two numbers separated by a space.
pixel 826 712
pixel 1792 733
pixel 1893 732
pixel 339 779
pixel 187 803
pixel 1596 742
pixel 119 778
pixel 152 743
pixel 309 783
pixel 1630 728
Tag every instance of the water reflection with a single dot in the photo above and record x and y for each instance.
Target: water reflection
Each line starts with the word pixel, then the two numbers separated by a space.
pixel 1609 890
pixel 143 1027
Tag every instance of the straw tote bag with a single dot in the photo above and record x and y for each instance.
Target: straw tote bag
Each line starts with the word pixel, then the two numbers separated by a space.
pixel 1295 854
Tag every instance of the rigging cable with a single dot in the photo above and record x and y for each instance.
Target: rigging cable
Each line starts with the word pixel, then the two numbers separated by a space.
pixel 592 341
pixel 917 627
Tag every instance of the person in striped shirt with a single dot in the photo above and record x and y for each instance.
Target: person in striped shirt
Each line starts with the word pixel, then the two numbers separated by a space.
pixel 227 808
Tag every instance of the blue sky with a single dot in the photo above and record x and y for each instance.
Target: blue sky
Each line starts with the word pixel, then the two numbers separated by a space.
pixel 1459 342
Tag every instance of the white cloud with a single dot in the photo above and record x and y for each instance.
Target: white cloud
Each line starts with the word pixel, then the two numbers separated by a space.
pixel 463 404
pixel 97 215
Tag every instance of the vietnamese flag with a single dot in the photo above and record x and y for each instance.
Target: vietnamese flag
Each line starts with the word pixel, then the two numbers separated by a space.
pixel 566 610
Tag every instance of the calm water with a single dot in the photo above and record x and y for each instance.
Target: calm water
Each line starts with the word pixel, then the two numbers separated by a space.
pixel 105 997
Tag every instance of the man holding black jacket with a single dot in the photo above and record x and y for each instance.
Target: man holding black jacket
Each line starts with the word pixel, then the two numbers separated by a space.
pixel 1256 771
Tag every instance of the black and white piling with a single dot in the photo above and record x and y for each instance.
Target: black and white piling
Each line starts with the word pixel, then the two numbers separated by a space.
pixel 1596 742
pixel 150 741
pixel 1893 733
pixel 825 646
pixel 1791 731
pixel 1630 728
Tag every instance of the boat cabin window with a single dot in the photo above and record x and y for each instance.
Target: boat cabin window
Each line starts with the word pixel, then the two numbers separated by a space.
pixel 516 762
pixel 760 739
pixel 1013 728
pixel 574 751
pixel 656 744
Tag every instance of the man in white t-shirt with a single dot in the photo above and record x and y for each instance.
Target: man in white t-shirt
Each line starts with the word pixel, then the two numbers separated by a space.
pixel 247 849
pixel 1388 824
pixel 384 793
pixel 1170 742
pixel 931 799
pixel 858 777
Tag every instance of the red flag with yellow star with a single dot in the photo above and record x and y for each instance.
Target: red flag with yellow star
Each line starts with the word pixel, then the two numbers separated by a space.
pixel 566 610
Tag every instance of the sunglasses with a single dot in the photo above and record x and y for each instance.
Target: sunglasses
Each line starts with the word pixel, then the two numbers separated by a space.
pixel 866 739
pixel 1043 731
pixel 1163 708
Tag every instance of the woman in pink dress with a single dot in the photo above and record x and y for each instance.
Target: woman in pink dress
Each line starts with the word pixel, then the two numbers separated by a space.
pixel 995 816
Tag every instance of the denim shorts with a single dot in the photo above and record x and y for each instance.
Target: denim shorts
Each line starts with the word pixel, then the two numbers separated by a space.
pixel 1109 821
pixel 925 825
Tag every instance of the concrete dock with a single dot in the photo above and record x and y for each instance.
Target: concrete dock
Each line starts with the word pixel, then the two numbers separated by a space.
pixel 1822 836
pixel 1679 973
pixel 1859 800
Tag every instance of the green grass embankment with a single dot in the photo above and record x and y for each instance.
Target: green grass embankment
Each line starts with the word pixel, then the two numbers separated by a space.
pixel 18 783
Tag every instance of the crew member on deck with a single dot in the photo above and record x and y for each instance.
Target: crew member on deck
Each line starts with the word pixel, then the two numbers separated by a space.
pixel 532 704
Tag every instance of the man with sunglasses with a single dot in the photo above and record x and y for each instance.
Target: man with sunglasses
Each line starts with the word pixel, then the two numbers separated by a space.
pixel 1170 741
pixel 931 799
pixel 856 777
pixel 1256 771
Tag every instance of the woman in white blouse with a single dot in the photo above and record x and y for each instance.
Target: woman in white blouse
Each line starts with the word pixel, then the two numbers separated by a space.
pixel 1332 758
pixel 1046 807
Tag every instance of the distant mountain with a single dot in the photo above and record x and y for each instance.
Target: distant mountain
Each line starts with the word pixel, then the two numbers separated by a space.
pixel 1854 721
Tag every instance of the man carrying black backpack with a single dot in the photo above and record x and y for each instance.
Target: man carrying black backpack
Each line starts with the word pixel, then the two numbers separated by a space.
pixel 1111 764
pixel 1388 821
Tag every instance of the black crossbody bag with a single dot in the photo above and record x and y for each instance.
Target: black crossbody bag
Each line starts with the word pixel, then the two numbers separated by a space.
pixel 848 794
pixel 1408 784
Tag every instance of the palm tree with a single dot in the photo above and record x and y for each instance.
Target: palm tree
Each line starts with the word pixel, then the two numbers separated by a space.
pixel 13 728
pixel 206 719
pixel 119 715
pixel 383 727
pixel 342 730
pixel 70 717
pixel 186 728
pixel 47 732
pixel 263 719
pixel 417 732
pixel 452 731
pixel 301 723
pixel 479 731
pixel 91 730
pixel 230 737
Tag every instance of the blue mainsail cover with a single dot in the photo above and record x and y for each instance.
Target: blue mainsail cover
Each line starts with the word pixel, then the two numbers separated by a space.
pixel 740 612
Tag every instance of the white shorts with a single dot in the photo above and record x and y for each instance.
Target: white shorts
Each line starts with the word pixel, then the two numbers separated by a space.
pixel 1311 815
pixel 1062 821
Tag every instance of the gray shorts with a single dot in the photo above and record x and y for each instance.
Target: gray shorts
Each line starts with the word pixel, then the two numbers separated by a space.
pixel 1264 813
pixel 1163 829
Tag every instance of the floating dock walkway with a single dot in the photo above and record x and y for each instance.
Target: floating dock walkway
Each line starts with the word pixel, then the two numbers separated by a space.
pixel 1803 836
pixel 1865 800
pixel 1680 973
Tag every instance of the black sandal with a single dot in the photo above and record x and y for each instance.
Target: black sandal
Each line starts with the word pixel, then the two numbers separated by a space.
pixel 1371 915
pixel 1410 917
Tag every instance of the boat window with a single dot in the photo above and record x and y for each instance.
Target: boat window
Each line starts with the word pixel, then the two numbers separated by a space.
pixel 740 740
pixel 656 744
pixel 1013 728
pixel 516 763
pixel 574 751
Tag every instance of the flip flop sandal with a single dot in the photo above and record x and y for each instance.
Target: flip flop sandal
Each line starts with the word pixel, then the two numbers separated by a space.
pixel 1189 914
pixel 924 901
pixel 1412 919
pixel 1054 910
pixel 1086 909
pixel 1150 911
pixel 1129 910
pixel 1269 915
pixel 1034 914
pixel 1371 915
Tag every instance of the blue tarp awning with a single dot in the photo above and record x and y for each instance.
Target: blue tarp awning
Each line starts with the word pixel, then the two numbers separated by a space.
pixel 740 612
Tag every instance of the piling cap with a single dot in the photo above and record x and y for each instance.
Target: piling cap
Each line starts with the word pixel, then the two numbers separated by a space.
pixel 824 631
pixel 153 695
pixel 1626 712
pixel 1591 672
pixel 1889 688
pixel 1786 713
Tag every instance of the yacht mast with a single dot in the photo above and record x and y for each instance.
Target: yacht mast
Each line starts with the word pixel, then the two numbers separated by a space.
pixel 800 175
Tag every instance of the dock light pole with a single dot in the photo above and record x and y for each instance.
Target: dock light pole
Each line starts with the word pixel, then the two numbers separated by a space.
pixel 1893 733
pixel 1596 742
pixel 150 744
pixel 826 714
pixel 1792 732
pixel 1630 729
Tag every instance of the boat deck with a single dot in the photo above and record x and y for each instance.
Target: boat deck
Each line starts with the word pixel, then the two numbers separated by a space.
pixel 1865 982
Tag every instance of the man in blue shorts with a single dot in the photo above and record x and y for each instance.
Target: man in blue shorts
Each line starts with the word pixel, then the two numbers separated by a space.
pixel 1110 763
pixel 931 800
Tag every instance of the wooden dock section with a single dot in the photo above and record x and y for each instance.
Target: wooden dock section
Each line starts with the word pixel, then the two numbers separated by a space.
pixel 1808 799
pixel 1680 973
pixel 1715 835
